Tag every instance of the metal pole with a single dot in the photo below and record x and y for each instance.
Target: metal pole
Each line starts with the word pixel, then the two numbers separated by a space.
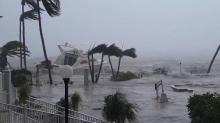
pixel 66 81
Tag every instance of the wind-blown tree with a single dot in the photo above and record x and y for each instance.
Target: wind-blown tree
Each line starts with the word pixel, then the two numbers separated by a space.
pixel 32 14
pixel 98 49
pixel 10 49
pixel 117 109
pixel 128 52
pixel 52 7
pixel 112 50
pixel 213 59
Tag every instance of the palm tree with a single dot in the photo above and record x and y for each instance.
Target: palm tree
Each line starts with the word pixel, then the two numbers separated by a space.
pixel 128 52
pixel 112 50
pixel 117 109
pixel 26 15
pixel 53 9
pixel 10 49
pixel 98 49
pixel 213 59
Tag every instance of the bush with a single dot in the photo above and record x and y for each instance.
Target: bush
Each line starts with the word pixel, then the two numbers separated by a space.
pixel 204 108
pixel 24 93
pixel 61 102
pixel 124 76
pixel 21 77
pixel 75 101
pixel 118 109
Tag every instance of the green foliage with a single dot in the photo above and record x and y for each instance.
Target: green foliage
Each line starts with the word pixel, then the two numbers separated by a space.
pixel 23 93
pixel 124 76
pixel 61 102
pixel 118 109
pixel 204 108
pixel 21 77
pixel 75 101
pixel 10 49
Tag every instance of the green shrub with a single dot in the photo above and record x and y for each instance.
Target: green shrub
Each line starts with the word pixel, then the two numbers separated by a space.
pixel 75 101
pixel 23 93
pixel 61 102
pixel 204 108
pixel 118 109
pixel 21 77
pixel 124 76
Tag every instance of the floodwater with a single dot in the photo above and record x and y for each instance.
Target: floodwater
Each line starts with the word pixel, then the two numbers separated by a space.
pixel 138 91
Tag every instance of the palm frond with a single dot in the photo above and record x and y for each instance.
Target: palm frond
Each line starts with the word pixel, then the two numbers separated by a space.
pixel 113 50
pixel 31 3
pixel 52 7
pixel 130 52
pixel 98 49
pixel 31 14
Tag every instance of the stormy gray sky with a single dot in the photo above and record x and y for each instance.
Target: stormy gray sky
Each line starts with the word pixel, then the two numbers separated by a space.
pixel 166 28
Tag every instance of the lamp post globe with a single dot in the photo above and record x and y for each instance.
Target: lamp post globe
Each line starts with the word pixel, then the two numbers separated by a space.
pixel 66 72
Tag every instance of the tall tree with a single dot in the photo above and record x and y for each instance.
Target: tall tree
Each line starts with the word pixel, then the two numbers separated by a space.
pixel 118 109
pixel 25 15
pixel 98 49
pixel 10 49
pixel 128 52
pixel 112 50
pixel 53 9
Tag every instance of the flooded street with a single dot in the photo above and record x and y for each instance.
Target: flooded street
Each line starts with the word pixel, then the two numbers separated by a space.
pixel 139 91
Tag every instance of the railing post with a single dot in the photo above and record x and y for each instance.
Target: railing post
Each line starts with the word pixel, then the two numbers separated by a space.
pixel 25 114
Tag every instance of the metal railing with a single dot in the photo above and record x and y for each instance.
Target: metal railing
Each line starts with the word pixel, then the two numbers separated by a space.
pixel 18 114
pixel 53 108
pixel 3 96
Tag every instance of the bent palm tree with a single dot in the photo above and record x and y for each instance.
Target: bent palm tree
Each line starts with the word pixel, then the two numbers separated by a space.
pixel 128 52
pixel 112 50
pixel 10 49
pixel 98 49
pixel 26 15
pixel 213 59
pixel 117 109
pixel 53 9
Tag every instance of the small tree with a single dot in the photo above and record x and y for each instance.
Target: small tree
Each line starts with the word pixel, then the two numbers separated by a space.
pixel 23 93
pixel 204 108
pixel 61 102
pixel 118 109
pixel 75 101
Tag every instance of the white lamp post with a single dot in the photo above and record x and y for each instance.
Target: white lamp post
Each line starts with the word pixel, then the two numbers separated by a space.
pixel 66 72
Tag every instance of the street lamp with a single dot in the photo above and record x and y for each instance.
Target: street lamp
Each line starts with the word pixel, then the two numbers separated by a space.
pixel 66 72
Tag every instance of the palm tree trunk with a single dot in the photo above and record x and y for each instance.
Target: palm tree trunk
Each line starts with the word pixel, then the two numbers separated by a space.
pixel 24 42
pixel 212 61
pixel 21 59
pixel 90 68
pixel 93 71
pixel 100 68
pixel 119 65
pixel 110 62
pixel 43 44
